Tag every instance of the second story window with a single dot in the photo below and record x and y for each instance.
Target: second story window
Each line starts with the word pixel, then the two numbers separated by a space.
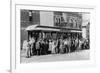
pixel 30 16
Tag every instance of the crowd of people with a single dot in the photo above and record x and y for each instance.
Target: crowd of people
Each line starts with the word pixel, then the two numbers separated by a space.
pixel 51 46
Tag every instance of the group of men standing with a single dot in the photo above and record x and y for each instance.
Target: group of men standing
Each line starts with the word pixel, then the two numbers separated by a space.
pixel 51 46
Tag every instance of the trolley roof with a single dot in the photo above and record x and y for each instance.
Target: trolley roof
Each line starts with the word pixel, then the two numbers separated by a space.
pixel 51 28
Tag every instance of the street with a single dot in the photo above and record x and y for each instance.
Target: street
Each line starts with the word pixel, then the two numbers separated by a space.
pixel 79 55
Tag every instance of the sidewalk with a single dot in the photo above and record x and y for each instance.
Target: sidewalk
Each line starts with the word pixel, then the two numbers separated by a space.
pixel 79 55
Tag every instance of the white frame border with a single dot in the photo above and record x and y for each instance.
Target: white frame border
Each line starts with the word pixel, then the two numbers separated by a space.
pixel 74 64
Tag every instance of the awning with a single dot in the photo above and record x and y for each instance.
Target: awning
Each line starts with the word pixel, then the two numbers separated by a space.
pixel 36 27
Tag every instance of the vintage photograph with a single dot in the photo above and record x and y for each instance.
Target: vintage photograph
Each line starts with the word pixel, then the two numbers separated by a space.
pixel 49 36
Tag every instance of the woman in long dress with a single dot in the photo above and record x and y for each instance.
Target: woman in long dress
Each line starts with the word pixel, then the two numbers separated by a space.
pixel 31 42
pixel 26 46
pixel 50 46
pixel 80 45
pixel 53 47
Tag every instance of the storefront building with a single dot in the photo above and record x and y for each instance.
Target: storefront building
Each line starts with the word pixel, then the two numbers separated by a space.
pixel 50 24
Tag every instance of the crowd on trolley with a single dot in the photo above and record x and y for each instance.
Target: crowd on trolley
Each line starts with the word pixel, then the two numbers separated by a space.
pixel 42 46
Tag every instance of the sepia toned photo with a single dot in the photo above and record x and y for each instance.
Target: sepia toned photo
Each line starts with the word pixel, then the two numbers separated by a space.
pixel 49 36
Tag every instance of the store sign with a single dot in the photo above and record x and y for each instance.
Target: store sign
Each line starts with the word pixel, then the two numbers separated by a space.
pixel 67 20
